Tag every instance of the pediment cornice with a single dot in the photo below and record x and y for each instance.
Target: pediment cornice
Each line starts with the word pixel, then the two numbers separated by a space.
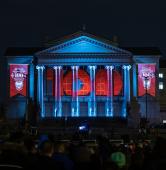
pixel 83 43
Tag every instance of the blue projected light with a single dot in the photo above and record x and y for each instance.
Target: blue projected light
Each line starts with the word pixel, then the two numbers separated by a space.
pixel 83 44
pixel 80 84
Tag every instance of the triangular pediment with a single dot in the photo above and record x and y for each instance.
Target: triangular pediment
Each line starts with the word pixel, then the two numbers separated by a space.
pixel 83 43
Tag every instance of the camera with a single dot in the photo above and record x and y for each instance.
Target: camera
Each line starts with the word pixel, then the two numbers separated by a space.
pixel 83 127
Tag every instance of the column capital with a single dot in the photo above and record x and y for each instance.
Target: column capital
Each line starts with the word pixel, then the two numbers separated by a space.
pixel 128 67
pixel 74 67
pixel 40 67
pixel 92 67
pixel 57 67
pixel 109 67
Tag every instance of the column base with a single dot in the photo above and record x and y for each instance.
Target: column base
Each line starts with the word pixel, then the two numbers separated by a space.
pixel 124 112
pixel 93 114
pixel 74 113
pixel 109 113
pixel 109 109
pixel 58 112
pixel 91 110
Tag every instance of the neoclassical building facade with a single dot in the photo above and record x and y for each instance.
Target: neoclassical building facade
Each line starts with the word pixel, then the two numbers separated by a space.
pixel 83 75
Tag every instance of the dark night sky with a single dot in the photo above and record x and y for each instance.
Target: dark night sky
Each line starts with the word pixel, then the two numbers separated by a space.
pixel 135 22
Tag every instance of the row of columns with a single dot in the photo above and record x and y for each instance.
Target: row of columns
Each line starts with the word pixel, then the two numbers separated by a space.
pixel 75 110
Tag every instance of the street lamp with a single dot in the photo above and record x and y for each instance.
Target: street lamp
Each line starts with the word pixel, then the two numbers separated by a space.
pixel 146 73
pixel 146 88
pixel 35 116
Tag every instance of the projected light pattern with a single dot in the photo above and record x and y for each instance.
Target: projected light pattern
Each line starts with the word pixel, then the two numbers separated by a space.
pixel 101 83
pixel 91 83
pixel 83 83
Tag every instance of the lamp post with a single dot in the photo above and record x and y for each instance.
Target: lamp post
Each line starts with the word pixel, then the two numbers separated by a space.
pixel 35 117
pixel 146 100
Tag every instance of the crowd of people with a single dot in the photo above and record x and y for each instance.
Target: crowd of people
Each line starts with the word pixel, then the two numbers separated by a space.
pixel 26 151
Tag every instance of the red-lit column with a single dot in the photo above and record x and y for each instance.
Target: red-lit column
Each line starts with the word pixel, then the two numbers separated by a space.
pixel 92 99
pixel 75 102
pixel 58 98
pixel 109 104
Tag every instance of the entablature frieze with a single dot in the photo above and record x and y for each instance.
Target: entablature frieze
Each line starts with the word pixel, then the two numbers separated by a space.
pixel 83 61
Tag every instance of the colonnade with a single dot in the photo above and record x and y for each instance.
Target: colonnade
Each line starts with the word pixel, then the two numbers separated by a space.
pixel 75 109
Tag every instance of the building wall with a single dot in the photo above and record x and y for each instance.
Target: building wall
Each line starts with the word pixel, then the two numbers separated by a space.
pixel 153 105
pixel 16 106
pixel 162 94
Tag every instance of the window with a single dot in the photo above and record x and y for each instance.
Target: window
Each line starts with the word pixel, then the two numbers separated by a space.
pixel 160 75
pixel 164 121
pixel 161 86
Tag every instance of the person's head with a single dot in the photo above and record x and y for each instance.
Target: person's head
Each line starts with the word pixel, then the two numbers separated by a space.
pixel 47 148
pixel 60 148
pixel 160 146
pixel 119 158
pixel 29 143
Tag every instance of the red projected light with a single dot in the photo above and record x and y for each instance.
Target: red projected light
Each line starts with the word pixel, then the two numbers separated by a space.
pixel 101 83
pixel 50 76
pixel 83 83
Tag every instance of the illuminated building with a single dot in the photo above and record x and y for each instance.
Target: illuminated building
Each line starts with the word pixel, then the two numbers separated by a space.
pixel 84 76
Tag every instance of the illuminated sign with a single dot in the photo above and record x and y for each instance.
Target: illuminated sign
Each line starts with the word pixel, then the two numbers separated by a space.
pixel 18 79
pixel 146 79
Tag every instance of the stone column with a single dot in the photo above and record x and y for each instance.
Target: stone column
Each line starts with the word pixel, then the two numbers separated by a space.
pixel 134 79
pixel 109 104
pixel 75 102
pixel 58 101
pixel 128 83
pixel 40 90
pixel 92 100
pixel 126 87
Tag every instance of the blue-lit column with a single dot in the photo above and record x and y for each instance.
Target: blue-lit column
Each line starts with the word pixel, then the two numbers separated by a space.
pixel 40 90
pixel 58 101
pixel 128 82
pixel 75 102
pixel 109 104
pixel 126 87
pixel 92 100
pixel 134 79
